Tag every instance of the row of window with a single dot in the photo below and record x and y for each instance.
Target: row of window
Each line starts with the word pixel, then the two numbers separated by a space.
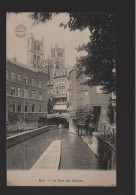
pixel 60 54
pixel 17 107
pixel 61 91
pixel 19 79
pixel 59 100
pixel 50 91
pixel 37 60
pixel 60 73
pixel 36 47
pixel 80 95
pixel 60 82
pixel 18 92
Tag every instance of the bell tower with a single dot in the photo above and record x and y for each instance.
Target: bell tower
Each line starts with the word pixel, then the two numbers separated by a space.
pixel 34 53
pixel 58 57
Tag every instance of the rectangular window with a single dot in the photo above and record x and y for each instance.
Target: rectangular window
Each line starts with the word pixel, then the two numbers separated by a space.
pixel 33 107
pixel 13 76
pixel 26 93
pixel 25 107
pixel 19 77
pixel 19 107
pixel 26 80
pixel 19 91
pixel 38 47
pixel 33 94
pixel 113 96
pixel 86 93
pixel 53 54
pixel 34 46
pixel 40 108
pixel 40 84
pixel 61 91
pixel 99 89
pixel 33 82
pixel 7 74
pixel 40 95
pixel 35 61
pixel 11 107
pixel 13 91
pixel 64 100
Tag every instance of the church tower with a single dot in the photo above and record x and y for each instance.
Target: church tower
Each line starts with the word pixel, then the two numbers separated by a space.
pixel 34 53
pixel 58 57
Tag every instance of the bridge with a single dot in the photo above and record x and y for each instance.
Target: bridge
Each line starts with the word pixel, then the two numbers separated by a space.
pixel 60 116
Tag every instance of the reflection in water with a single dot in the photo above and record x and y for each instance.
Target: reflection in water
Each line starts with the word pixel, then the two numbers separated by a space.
pixel 75 153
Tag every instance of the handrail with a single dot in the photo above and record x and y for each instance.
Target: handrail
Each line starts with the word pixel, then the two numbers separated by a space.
pixel 107 132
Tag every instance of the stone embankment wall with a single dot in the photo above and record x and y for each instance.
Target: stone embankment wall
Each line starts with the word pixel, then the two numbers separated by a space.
pixel 106 153
pixel 20 137
pixel 104 150
pixel 32 121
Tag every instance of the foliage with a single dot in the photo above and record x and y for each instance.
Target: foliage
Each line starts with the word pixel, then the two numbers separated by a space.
pixel 101 58
pixel 87 114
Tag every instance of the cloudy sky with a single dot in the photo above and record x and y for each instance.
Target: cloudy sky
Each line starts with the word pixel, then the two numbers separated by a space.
pixel 51 33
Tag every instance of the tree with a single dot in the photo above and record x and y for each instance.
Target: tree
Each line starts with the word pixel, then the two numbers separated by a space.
pixel 101 57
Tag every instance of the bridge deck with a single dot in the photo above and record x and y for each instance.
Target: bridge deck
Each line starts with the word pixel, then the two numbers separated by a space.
pixel 65 116
pixel 50 159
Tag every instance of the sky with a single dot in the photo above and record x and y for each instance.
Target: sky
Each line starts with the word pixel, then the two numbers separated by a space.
pixel 51 32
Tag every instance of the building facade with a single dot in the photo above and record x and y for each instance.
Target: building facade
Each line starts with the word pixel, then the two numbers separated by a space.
pixel 82 97
pixel 60 92
pixel 26 95
pixel 58 85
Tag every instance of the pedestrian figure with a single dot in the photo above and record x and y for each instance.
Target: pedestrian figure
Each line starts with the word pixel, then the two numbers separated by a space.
pixel 91 128
pixel 87 125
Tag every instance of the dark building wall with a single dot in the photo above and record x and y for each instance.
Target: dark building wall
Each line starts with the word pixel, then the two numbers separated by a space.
pixel 97 97
pixel 83 95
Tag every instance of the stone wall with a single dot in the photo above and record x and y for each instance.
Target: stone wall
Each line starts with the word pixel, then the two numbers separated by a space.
pixel 15 139
pixel 31 122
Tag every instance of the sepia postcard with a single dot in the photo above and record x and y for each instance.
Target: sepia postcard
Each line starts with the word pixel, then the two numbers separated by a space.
pixel 61 99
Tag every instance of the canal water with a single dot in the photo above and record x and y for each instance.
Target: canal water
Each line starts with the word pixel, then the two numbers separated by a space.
pixel 75 154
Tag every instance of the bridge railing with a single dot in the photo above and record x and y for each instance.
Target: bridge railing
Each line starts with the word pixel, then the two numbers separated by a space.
pixel 57 115
pixel 108 133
